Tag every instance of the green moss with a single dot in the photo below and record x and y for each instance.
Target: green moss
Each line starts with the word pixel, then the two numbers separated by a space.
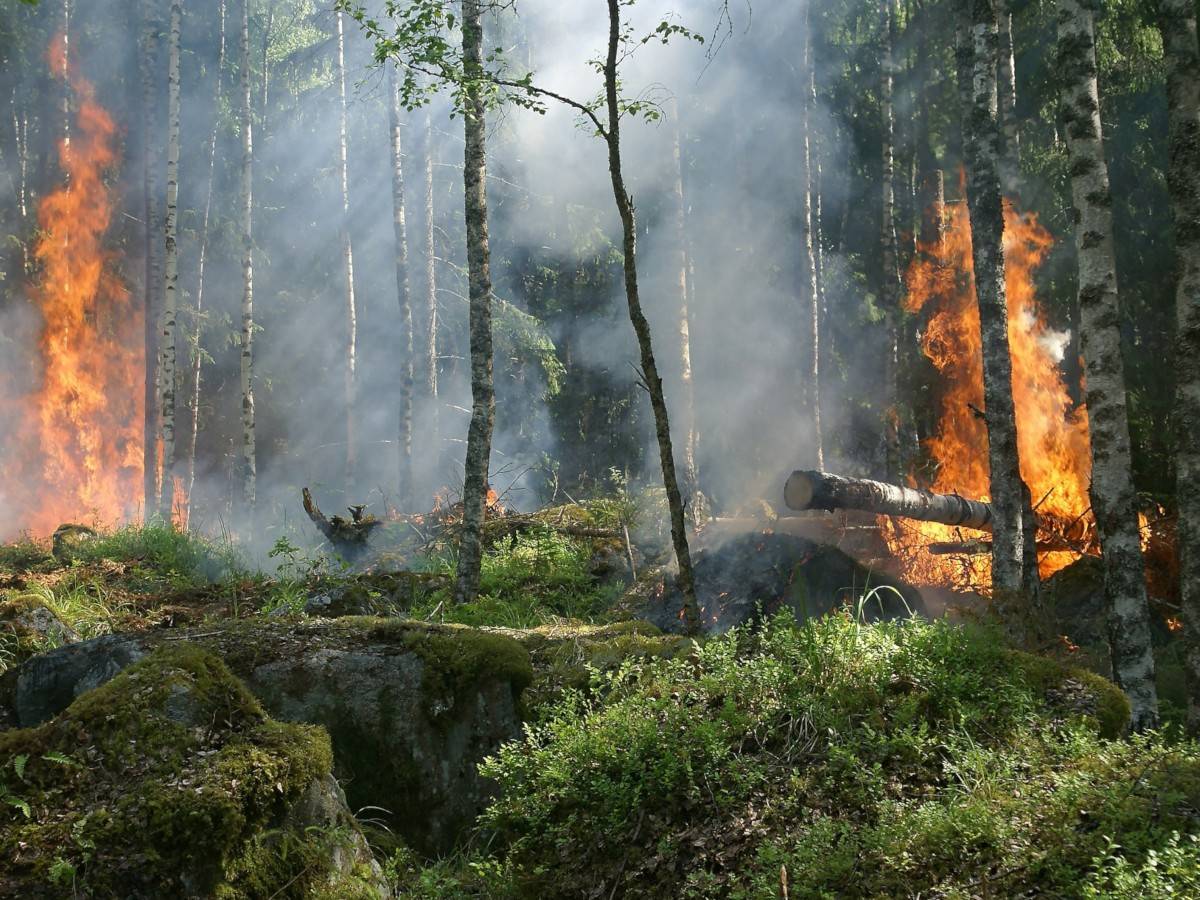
pixel 1077 691
pixel 456 658
pixel 165 780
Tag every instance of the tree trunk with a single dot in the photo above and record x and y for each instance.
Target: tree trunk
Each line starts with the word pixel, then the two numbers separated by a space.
pixel 1178 25
pixel 810 301
pixel 197 353
pixel 820 490
pixel 265 86
pixel 981 139
pixel 483 408
pixel 431 303
pixel 405 497
pixel 641 327
pixel 687 392
pixel 171 259
pixel 1006 102
pixel 249 453
pixel 351 363
pixel 1114 501
pixel 152 472
pixel 890 284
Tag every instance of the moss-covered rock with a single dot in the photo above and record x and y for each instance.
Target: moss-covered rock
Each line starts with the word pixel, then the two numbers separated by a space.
pixel 28 627
pixel 171 780
pixel 411 708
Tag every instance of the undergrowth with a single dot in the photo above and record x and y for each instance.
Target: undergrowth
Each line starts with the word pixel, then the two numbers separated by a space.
pixel 896 759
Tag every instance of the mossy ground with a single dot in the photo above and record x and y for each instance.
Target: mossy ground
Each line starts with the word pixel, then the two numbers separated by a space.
pixel 884 760
pixel 167 780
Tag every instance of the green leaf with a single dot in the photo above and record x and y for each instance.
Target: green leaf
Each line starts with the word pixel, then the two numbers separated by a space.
pixel 18 764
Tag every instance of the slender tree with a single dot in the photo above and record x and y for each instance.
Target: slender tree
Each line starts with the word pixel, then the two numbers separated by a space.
pixel 981 138
pixel 680 263
pixel 1114 501
pixel 1177 22
pixel 483 408
pixel 1006 100
pixel 249 462
pixel 151 469
pixel 641 327
pixel 197 329
pixel 404 294
pixel 891 286
pixel 351 362
pixel 167 374
pixel 810 304
pixel 431 300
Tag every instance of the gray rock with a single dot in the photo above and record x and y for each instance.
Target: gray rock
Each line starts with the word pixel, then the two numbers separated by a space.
pixel 48 683
pixel 411 709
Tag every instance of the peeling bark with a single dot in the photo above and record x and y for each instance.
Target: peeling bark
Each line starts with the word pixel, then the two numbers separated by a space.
pixel 351 355
pixel 152 278
pixel 167 367
pixel 1114 501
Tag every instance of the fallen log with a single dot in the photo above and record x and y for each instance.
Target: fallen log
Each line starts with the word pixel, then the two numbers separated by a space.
pixel 821 490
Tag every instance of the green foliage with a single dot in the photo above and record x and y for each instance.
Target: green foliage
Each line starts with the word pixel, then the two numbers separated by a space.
pixel 884 760
pixel 1169 872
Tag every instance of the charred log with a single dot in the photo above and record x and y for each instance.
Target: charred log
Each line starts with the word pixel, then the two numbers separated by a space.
pixel 348 536
pixel 821 490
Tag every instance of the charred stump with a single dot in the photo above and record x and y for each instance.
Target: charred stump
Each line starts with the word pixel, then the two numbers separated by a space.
pixel 349 537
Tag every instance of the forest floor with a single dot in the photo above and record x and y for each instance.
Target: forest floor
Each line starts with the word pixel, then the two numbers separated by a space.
pixel 831 758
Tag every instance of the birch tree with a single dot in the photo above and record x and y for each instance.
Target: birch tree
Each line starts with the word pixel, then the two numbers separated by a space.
pixel 404 296
pixel 1177 22
pixel 890 284
pixel 167 367
pixel 977 52
pixel 196 348
pixel 431 301
pixel 810 300
pixel 351 352
pixel 1114 501
pixel 1006 100
pixel 148 70
pixel 249 461
pixel 681 264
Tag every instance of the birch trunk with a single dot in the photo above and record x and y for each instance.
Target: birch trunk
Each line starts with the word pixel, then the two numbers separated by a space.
pixel 152 279
pixel 890 285
pixel 405 497
pixel 687 386
pixel 351 369
pixel 982 142
pixel 641 327
pixel 197 352
pixel 483 408
pixel 249 453
pixel 1114 501
pixel 1006 101
pixel 431 304
pixel 1177 21
pixel 810 301
pixel 171 267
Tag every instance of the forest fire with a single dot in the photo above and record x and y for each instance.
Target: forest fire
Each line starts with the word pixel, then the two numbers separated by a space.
pixel 74 417
pixel 1052 431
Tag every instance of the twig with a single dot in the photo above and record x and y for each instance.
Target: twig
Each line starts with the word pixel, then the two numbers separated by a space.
pixel 629 550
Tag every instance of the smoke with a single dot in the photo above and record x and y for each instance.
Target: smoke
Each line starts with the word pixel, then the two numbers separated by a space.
pixel 554 235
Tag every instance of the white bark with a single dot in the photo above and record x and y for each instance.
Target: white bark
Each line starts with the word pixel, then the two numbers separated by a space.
pixel 1114 501
pixel 249 451
pixel 152 473
pixel 406 496
pixel 351 363
pixel 431 304
pixel 686 383
pixel 167 374
pixel 810 304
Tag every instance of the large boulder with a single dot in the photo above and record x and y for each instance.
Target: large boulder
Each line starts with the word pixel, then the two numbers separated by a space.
pixel 759 574
pixel 170 780
pixel 411 708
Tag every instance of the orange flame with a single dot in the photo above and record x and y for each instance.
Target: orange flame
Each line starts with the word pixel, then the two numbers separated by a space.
pixel 1052 432
pixel 75 447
